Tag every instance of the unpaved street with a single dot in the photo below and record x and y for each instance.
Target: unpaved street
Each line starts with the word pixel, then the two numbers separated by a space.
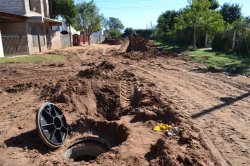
pixel 119 97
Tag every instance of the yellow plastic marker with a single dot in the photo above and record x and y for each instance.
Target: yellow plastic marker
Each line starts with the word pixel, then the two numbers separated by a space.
pixel 162 127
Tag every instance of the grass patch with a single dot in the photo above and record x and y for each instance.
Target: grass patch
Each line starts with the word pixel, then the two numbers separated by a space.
pixel 233 63
pixel 32 59
pixel 172 48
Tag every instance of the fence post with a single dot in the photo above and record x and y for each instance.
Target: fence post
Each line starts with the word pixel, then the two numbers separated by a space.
pixel 1 46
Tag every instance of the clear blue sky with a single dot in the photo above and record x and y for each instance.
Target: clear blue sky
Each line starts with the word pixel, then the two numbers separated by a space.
pixel 139 13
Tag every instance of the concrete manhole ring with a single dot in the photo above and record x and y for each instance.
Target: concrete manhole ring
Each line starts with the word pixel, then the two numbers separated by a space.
pixel 86 149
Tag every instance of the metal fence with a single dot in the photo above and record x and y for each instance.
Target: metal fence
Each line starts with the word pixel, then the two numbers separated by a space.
pixel 97 37
pixel 65 40
pixel 15 44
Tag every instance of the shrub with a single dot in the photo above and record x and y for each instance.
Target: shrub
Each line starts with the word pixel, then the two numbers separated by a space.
pixel 114 34
pixel 221 42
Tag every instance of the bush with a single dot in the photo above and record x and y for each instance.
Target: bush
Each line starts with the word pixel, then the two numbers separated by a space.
pixel 221 42
pixel 167 38
pixel 241 47
pixel 146 33
pixel 114 34
pixel 183 37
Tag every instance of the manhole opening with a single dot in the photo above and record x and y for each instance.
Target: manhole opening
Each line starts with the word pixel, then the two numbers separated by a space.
pixel 86 149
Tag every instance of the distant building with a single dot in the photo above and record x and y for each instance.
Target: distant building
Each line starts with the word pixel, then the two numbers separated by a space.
pixel 26 27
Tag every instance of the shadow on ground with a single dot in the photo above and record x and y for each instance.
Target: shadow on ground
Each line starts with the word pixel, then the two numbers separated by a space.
pixel 226 102
pixel 29 140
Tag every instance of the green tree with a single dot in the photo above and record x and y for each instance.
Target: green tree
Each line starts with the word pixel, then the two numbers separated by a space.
pixel 113 27
pixel 114 34
pixel 214 4
pixel 193 16
pixel 114 23
pixel 166 25
pixel 64 8
pixel 88 18
pixel 166 21
pixel 212 23
pixel 232 14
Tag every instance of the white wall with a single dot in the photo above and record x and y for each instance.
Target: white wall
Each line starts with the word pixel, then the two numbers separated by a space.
pixel 1 46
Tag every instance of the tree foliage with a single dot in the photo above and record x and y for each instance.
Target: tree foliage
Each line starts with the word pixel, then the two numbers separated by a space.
pixel 196 16
pixel 88 18
pixel 65 9
pixel 231 12
pixel 166 20
pixel 114 33
pixel 202 24
pixel 113 27
pixel 114 23
pixel 214 4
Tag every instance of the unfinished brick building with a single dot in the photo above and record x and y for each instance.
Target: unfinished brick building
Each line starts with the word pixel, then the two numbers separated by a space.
pixel 26 27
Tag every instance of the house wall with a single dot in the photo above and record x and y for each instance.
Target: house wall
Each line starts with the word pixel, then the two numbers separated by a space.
pixel 1 46
pixel 31 36
pixel 14 38
pixel 46 8
pixel 13 28
pixel 56 40
pixel 13 6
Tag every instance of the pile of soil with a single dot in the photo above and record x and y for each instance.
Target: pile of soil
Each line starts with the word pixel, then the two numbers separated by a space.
pixel 113 41
pixel 139 48
pixel 138 43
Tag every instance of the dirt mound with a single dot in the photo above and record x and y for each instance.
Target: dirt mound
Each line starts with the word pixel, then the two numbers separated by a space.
pixel 104 66
pixel 138 43
pixel 61 92
pixel 113 41
pixel 170 153
pixel 139 48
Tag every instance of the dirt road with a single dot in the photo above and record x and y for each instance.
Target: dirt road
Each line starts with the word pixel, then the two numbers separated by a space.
pixel 119 97
pixel 218 104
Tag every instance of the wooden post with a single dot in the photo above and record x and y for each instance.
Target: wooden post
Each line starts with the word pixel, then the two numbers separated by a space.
pixel 38 35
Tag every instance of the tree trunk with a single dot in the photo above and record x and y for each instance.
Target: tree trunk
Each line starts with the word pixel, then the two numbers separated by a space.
pixel 234 40
pixel 70 36
pixel 195 29
pixel 206 39
pixel 89 38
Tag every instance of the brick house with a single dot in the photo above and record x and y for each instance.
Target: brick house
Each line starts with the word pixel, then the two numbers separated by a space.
pixel 26 27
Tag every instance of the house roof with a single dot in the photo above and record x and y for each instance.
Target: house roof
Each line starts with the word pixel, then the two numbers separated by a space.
pixel 10 17
pixel 52 21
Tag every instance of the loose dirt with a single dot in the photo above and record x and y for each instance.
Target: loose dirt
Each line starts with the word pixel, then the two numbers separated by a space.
pixel 118 97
